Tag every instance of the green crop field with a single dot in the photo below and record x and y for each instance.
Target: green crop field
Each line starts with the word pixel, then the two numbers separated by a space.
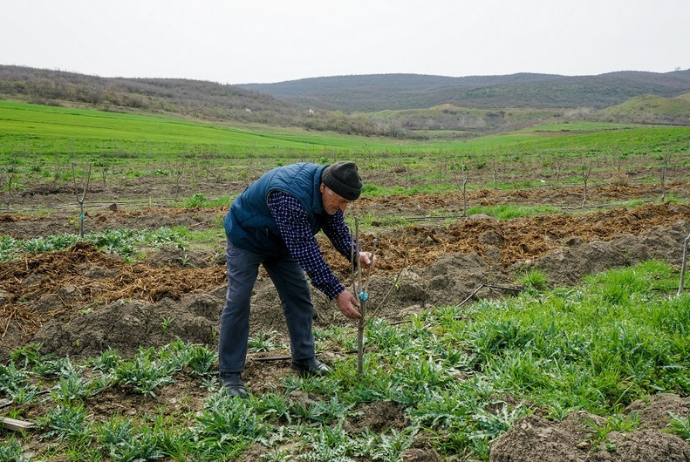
pixel 36 129
pixel 45 141
pixel 48 130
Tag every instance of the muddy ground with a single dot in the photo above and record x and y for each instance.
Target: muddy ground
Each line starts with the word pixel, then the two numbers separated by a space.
pixel 80 301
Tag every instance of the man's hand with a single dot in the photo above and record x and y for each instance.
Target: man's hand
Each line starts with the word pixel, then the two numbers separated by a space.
pixel 348 305
pixel 367 260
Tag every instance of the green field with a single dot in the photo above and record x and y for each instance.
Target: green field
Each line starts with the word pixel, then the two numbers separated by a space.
pixel 36 129
pixel 48 130
pixel 45 141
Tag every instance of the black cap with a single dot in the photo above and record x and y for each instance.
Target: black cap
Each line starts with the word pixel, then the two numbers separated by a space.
pixel 343 179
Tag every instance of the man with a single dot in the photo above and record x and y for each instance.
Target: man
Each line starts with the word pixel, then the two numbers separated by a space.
pixel 273 223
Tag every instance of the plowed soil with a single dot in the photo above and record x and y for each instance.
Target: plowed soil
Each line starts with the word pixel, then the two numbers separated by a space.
pixel 81 301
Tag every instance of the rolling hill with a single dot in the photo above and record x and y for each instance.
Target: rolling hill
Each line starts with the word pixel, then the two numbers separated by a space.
pixel 651 108
pixel 194 99
pixel 392 105
pixel 409 91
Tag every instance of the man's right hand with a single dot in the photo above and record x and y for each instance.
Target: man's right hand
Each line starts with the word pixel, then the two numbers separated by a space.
pixel 348 305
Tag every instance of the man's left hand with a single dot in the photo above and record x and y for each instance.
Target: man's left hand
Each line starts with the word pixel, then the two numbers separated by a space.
pixel 367 260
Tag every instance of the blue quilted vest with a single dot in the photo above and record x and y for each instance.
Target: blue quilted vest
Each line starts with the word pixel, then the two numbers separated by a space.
pixel 249 224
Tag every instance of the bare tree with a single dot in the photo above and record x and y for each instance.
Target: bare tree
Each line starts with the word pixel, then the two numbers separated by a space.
pixel 7 181
pixel 81 199
pixel 558 164
pixel 7 184
pixel 465 169
pixel 664 171
pixel 178 171
pixel 586 172
pixel 495 164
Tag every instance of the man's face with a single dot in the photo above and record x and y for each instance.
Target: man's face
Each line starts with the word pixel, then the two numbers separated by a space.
pixel 332 202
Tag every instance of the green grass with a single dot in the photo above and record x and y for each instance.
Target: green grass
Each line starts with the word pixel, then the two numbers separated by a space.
pixel 643 106
pixel 618 337
pixel 581 126
pixel 129 243
pixel 199 201
pixel 125 242
pixel 507 211
pixel 50 129
pixel 47 130
pixel 41 144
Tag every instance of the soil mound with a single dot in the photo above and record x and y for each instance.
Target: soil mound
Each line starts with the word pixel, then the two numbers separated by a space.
pixel 156 315
pixel 81 301
pixel 126 326
pixel 535 438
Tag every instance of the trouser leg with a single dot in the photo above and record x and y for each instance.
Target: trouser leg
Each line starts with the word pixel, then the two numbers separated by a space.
pixel 243 268
pixel 295 298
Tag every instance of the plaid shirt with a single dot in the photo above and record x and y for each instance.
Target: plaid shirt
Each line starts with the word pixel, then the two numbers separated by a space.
pixel 293 223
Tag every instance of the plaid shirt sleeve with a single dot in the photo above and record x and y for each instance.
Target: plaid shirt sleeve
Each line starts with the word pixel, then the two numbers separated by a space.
pixel 295 230
pixel 339 234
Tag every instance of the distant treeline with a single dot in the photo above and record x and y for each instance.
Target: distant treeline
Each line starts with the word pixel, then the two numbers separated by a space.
pixel 370 93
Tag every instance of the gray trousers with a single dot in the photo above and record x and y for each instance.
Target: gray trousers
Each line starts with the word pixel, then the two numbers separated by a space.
pixel 293 289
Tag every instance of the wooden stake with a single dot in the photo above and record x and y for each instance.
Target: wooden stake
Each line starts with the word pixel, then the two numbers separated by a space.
pixel 359 288
pixel 15 425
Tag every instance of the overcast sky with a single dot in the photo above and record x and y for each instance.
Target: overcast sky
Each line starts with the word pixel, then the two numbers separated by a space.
pixel 265 41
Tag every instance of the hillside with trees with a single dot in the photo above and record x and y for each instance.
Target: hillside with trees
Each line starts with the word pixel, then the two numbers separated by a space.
pixel 194 99
pixel 409 91
pixel 391 105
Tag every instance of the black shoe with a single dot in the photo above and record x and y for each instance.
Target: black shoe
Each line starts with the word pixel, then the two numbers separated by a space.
pixel 233 384
pixel 309 367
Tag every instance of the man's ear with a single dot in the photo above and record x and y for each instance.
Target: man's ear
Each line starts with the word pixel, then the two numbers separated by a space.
pixel 322 187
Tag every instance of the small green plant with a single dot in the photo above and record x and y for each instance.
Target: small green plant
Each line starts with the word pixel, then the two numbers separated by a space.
pixel 174 443
pixel 275 407
pixel 328 444
pixel 277 455
pixel 324 412
pixel 67 422
pixel 680 426
pixel 490 425
pixel 27 355
pixel 202 360
pixel 392 446
pixel 24 395
pixel 12 451
pixel 228 419
pixel 616 422
pixel 125 442
pixel 11 378
pixel 74 388
pixel 107 361
pixel 262 341
pixel 62 367
pixel 165 325
pixel 197 200
pixel 69 389
pixel 534 281
pixel 143 374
